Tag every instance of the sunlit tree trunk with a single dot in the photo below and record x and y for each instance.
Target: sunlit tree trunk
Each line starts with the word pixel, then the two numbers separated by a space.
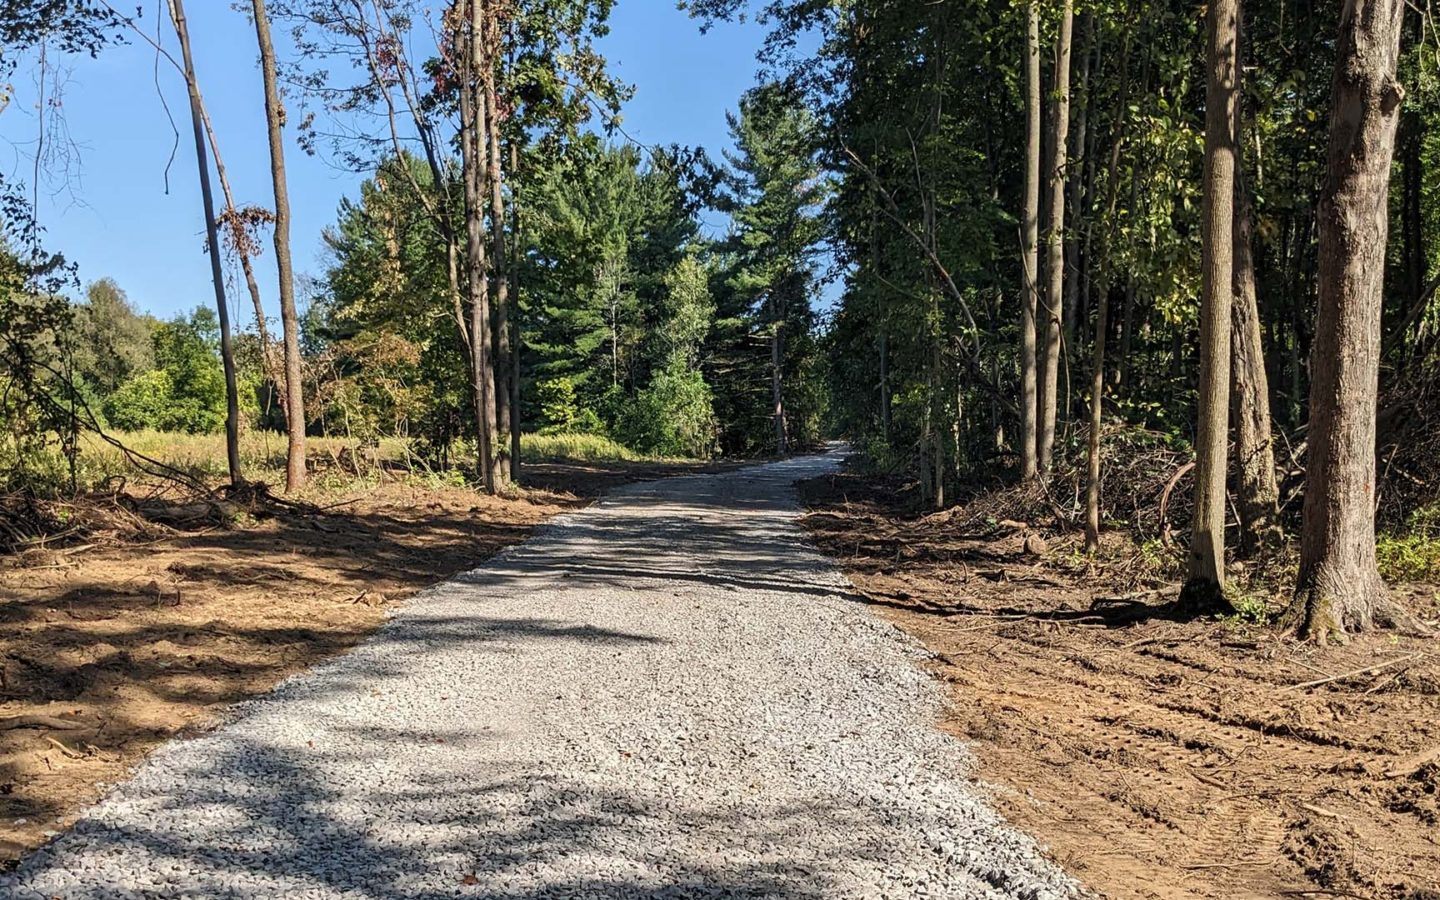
pixel 1029 251
pixel 289 319
pixel 1339 589
pixel 501 296
pixel 1050 316
pixel 212 236
pixel 471 49
pixel 1207 534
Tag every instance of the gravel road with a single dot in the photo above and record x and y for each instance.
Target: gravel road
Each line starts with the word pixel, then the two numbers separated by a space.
pixel 665 695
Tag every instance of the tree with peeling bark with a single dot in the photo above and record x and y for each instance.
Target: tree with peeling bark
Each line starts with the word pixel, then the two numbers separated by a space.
pixel 289 320
pixel 1339 590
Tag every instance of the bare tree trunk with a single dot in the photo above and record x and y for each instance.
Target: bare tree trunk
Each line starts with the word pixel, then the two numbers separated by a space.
pixel 1207 534
pixel 1050 324
pixel 289 319
pixel 777 389
pixel 514 269
pixel 501 297
pixel 470 46
pixel 1339 589
pixel 1029 250
pixel 1258 496
pixel 212 236
pixel 885 385
pixel 1102 316
pixel 1075 187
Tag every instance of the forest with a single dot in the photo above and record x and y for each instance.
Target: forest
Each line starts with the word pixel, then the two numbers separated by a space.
pixel 1148 287
pixel 1053 265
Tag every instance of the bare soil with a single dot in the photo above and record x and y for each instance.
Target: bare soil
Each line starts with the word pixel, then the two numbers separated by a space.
pixel 126 633
pixel 1158 755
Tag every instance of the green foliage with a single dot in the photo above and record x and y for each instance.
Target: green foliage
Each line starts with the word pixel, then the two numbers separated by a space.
pixel 560 408
pixel 112 342
pixel 673 416
pixel 144 401
pixel 185 392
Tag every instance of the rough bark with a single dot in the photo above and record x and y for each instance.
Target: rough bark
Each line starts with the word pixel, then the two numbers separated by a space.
pixel 1029 251
pixel 1076 187
pixel 1050 315
pixel 289 319
pixel 501 295
pixel 212 236
pixel 471 48
pixel 1339 589
pixel 1207 535
pixel 1257 496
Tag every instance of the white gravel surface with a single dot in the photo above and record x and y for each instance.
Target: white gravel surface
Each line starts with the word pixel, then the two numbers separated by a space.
pixel 665 695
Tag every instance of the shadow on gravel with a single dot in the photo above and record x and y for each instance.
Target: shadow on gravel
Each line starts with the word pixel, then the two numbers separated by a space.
pixel 258 823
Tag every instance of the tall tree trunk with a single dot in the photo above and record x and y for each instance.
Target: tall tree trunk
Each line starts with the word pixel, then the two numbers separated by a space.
pixel 472 141
pixel 501 296
pixel 289 319
pixel 777 390
pixel 1030 251
pixel 514 269
pixel 1207 533
pixel 885 385
pixel 1339 589
pixel 1050 324
pixel 1079 158
pixel 1258 495
pixel 1102 315
pixel 212 236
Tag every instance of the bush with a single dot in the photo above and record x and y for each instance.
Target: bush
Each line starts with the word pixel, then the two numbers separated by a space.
pixel 141 402
pixel 560 407
pixel 673 416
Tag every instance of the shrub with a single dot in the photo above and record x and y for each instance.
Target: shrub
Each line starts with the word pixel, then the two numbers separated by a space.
pixel 673 416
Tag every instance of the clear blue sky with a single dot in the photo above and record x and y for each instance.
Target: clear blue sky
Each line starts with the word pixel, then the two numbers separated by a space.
pixel 115 218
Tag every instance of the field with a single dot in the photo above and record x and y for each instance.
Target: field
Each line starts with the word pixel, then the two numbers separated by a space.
pixel 147 613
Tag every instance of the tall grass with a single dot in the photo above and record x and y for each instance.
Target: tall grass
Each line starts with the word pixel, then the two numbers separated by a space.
pixel 262 453
pixel 578 447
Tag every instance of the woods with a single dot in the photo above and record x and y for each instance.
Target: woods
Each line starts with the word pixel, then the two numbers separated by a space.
pixel 1041 245
pixel 1095 342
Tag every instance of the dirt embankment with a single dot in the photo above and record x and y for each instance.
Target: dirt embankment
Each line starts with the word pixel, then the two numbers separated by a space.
pixel 1158 756
pixel 113 640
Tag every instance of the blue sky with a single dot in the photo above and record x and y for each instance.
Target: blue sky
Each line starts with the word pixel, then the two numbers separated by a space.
pixel 114 217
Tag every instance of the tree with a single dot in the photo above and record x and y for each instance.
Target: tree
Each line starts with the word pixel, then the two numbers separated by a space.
pixel 289 320
pixel 1207 532
pixel 217 276
pixel 112 340
pixel 1339 589
pixel 1050 327
pixel 774 193
pixel 1257 494
pixel 1030 253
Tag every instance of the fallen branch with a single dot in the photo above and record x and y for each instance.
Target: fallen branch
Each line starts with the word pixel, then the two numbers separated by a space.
pixel 1365 671
pixel 34 720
